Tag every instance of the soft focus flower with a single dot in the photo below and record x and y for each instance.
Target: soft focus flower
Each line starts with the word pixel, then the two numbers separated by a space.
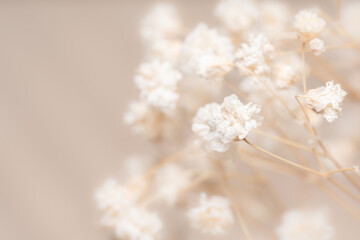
pixel 256 54
pixel 317 46
pixel 308 25
pixel 170 180
pixel 206 52
pixel 213 215
pixel 143 119
pixel 162 22
pixel 275 15
pixel 285 75
pixel 305 225
pixel 158 83
pixel 219 125
pixel 138 224
pixel 325 100
pixel 113 200
pixel 237 15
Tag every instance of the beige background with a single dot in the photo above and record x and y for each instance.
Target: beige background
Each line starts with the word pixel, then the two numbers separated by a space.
pixel 65 79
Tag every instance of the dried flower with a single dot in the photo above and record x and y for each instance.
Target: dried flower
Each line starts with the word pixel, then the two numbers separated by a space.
pixel 113 200
pixel 219 125
pixel 213 215
pixel 237 15
pixel 285 75
pixel 308 25
pixel 325 100
pixel 158 82
pixel 317 46
pixel 138 224
pixel 256 54
pixel 305 225
pixel 162 22
pixel 206 52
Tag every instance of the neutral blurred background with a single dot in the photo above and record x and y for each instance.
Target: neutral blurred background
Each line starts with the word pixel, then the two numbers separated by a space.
pixel 66 72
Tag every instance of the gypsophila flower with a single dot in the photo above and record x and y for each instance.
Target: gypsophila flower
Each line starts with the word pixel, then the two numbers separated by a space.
pixel 213 215
pixel 325 100
pixel 206 52
pixel 317 46
pixel 162 22
pixel 113 200
pixel 143 119
pixel 308 25
pixel 305 225
pixel 285 75
pixel 170 180
pixel 237 15
pixel 219 125
pixel 138 224
pixel 158 83
pixel 256 55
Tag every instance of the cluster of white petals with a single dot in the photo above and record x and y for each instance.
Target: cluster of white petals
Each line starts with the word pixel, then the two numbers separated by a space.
pixel 317 46
pixel 162 22
pixel 158 83
pixel 213 215
pixel 142 119
pixel 285 75
pixel 237 15
pixel 206 52
pixel 305 225
pixel 138 224
pixel 113 200
pixel 325 100
pixel 308 25
pixel 219 125
pixel 170 180
pixel 256 55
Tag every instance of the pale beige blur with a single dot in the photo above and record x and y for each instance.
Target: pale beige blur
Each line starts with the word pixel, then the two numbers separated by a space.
pixel 66 72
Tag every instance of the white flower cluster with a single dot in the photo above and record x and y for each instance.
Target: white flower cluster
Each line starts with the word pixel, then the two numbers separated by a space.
pixel 158 83
pixel 317 46
pixel 138 224
pixel 237 15
pixel 285 75
pixel 117 204
pixel 325 100
pixel 305 225
pixel 219 125
pixel 256 55
pixel 213 215
pixel 162 22
pixel 207 53
pixel 308 25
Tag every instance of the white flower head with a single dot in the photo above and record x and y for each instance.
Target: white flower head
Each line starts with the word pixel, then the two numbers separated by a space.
pixel 143 119
pixel 256 55
pixel 237 15
pixel 158 83
pixel 286 75
pixel 162 22
pixel 308 25
pixel 219 125
pixel 138 224
pixel 206 52
pixel 305 225
pixel 170 180
pixel 326 100
pixel 213 215
pixel 113 200
pixel 317 46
